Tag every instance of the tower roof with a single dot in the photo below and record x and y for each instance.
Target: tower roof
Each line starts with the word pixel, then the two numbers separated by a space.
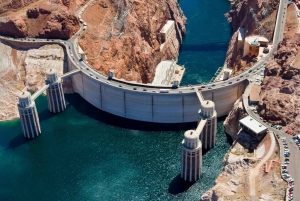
pixel 255 42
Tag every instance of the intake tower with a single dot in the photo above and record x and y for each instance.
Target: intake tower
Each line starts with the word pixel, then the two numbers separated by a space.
pixel 28 115
pixel 208 133
pixel 56 99
pixel 191 157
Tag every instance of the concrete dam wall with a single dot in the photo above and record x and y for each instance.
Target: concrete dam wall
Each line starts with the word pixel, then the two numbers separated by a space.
pixel 151 106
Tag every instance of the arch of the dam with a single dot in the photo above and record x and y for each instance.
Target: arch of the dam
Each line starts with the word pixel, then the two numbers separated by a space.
pixel 145 106
pixel 153 106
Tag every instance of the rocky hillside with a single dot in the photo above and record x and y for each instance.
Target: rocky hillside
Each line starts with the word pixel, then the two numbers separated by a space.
pixel 130 45
pixel 233 183
pixel 231 123
pixel 26 67
pixel 280 94
pixel 122 35
pixel 258 18
pixel 41 19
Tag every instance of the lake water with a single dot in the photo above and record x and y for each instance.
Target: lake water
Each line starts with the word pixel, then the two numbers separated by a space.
pixel 86 154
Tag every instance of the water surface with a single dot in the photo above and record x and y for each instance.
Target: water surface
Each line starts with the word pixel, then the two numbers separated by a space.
pixel 85 154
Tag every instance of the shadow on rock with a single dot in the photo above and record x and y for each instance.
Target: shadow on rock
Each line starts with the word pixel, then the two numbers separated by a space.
pixel 248 141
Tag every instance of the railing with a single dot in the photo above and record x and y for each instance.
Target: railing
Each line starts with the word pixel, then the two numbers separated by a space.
pixel 39 92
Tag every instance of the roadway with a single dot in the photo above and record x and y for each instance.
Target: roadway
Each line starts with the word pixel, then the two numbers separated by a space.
pixel 294 150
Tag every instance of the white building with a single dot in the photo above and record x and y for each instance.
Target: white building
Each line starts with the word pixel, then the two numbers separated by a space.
pixel 168 73
pixel 263 41
pixel 241 38
pixel 166 31
pixel 253 127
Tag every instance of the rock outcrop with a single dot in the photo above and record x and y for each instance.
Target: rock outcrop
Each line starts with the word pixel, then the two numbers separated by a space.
pixel 231 123
pixel 248 14
pixel 26 67
pixel 131 46
pixel 233 182
pixel 39 19
pixel 280 93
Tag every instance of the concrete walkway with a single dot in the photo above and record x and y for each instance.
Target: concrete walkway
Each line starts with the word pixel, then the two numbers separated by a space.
pixel 254 171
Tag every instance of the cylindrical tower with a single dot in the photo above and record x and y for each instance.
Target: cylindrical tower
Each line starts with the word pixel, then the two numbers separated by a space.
pixel 55 94
pixel 28 116
pixel 191 158
pixel 208 134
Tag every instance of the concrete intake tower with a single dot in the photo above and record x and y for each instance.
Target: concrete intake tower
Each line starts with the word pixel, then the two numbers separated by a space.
pixel 56 99
pixel 191 158
pixel 28 115
pixel 207 124
pixel 56 102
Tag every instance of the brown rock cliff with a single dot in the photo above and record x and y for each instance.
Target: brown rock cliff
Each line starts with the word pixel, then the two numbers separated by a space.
pixel 280 94
pixel 248 14
pixel 39 19
pixel 131 48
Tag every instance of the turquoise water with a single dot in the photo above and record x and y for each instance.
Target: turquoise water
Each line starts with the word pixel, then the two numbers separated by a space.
pixel 86 154
pixel 205 44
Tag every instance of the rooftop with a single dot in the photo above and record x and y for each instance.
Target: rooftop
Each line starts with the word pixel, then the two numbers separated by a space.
pixel 255 43
pixel 51 71
pixel 241 34
pixel 24 95
pixel 255 91
pixel 253 124
pixel 167 26
pixel 191 134
pixel 258 38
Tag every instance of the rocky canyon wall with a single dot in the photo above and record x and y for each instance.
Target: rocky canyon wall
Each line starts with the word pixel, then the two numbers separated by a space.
pixel 131 47
pixel 257 18
pixel 128 42
pixel 280 94
pixel 20 67
pixel 39 19
pixel 231 123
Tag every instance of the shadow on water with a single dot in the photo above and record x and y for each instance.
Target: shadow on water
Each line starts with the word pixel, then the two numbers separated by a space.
pixel 46 114
pixel 18 141
pixel 89 110
pixel 221 46
pixel 178 185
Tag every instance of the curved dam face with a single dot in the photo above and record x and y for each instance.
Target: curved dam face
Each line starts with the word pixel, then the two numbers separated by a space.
pixel 153 106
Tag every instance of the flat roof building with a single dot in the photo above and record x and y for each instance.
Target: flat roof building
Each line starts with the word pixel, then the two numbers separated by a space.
pixel 167 72
pixel 253 127
pixel 254 95
pixel 166 31
pixel 241 38
pixel 254 41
